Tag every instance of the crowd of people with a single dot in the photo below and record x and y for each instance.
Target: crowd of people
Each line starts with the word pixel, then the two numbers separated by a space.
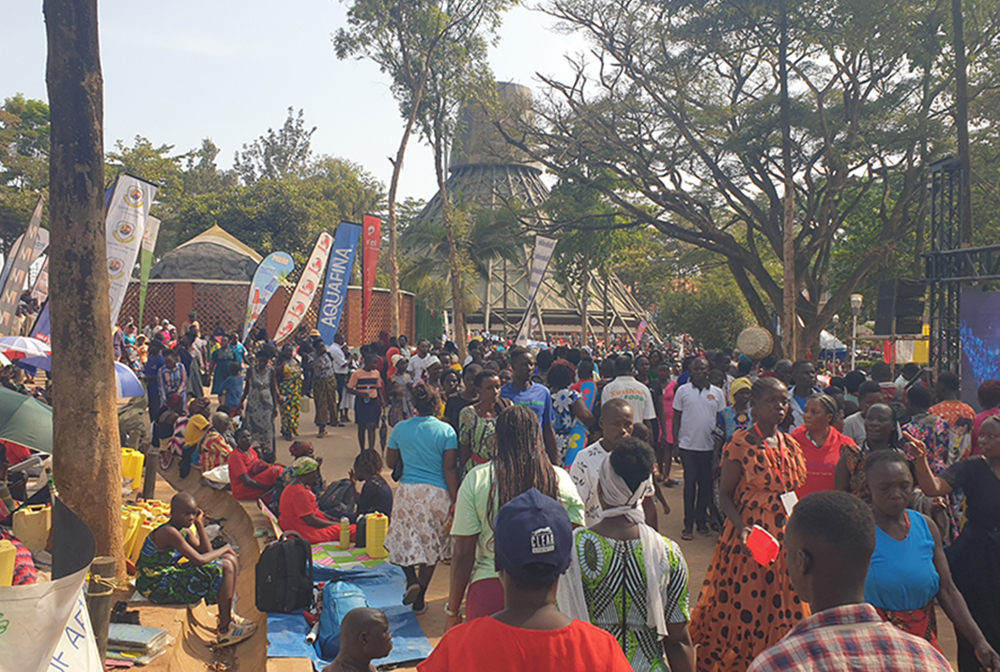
pixel 895 477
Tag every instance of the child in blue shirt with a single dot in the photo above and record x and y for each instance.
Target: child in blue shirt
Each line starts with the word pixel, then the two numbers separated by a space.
pixel 231 393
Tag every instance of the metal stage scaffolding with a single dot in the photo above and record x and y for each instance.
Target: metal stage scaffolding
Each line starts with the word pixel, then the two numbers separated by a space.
pixel 949 266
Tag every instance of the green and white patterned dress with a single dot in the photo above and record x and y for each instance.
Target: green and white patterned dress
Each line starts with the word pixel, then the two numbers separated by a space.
pixel 614 585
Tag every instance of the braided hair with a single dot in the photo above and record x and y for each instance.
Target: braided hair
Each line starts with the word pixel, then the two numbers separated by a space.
pixel 520 463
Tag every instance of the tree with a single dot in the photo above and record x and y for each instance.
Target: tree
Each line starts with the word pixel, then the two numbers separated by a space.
pixel 708 308
pixel 24 163
pixel 285 215
pixel 276 155
pixel 87 449
pixel 491 236
pixel 683 104
pixel 404 37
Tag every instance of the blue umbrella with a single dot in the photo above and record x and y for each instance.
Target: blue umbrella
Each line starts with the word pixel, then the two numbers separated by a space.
pixel 127 383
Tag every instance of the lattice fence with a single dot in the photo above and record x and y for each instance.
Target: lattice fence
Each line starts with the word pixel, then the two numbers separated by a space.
pixel 224 304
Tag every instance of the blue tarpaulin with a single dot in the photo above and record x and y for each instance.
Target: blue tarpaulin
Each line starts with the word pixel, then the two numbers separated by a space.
pixel 383 586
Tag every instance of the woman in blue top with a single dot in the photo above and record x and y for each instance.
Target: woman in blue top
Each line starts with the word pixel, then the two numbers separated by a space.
pixel 909 569
pixel 418 536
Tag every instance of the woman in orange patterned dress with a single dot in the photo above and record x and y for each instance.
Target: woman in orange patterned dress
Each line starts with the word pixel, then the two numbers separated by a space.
pixel 744 607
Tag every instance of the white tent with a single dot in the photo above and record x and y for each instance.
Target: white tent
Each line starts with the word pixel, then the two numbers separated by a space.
pixel 828 341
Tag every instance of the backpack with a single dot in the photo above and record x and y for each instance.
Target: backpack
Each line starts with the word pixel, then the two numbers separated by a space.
pixel 339 597
pixel 338 496
pixel 284 577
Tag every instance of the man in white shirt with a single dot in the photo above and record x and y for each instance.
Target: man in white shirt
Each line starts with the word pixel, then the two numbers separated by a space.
pixel 696 409
pixel 804 379
pixel 626 387
pixel 421 361
pixel 341 367
pixel 616 424
pixel 869 394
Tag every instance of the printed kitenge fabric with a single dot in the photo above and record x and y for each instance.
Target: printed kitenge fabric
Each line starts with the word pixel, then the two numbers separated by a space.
pixel 744 608
pixel 290 390
pixel 400 406
pixel 259 416
pixel 936 435
pixel 164 580
pixel 480 434
pixel 562 404
pixel 614 586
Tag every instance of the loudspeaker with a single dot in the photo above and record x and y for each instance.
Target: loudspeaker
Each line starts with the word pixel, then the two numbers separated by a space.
pixel 900 308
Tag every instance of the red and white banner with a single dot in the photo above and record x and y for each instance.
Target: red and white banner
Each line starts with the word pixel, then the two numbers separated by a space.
pixel 640 331
pixel 305 291
pixel 372 243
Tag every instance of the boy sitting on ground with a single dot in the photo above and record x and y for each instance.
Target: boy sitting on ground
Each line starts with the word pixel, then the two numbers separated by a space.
pixel 364 635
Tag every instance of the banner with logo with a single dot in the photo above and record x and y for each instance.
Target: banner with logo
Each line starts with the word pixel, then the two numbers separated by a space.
pixel 305 291
pixel 146 260
pixel 42 329
pixel 544 249
pixel 40 290
pixel 372 243
pixel 128 211
pixel 338 277
pixel 45 625
pixel 265 283
pixel 20 263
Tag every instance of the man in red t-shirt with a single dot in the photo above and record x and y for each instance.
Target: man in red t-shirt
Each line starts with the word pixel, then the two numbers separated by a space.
pixel 249 476
pixel 533 540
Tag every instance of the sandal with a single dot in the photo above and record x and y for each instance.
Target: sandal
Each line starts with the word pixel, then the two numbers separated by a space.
pixel 236 633
pixel 412 594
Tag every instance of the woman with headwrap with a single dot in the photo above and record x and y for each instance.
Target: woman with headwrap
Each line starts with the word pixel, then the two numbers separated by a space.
pixel 298 510
pixel 626 578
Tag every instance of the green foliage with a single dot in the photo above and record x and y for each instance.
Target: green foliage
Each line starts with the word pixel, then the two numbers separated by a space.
pixel 288 214
pixel 24 165
pixel 24 144
pixel 277 154
pixel 683 113
pixel 710 309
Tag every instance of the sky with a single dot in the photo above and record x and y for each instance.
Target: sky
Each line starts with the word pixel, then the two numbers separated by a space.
pixel 179 71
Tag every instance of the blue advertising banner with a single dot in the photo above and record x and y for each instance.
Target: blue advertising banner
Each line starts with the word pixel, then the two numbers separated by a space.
pixel 338 276
pixel 266 279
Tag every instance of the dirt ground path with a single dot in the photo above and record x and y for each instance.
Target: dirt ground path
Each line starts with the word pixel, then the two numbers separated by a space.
pixel 338 450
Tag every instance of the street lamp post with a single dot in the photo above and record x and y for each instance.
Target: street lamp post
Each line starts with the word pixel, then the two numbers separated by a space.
pixel 856 301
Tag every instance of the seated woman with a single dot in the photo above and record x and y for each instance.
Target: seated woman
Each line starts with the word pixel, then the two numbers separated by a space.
pixel 215 449
pixel 299 511
pixel 624 576
pixel 249 476
pixel 375 496
pixel 206 574
pixel 908 569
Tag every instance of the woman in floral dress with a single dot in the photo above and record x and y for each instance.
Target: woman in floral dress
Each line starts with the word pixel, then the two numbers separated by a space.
pixel 399 388
pixel 568 405
pixel 289 372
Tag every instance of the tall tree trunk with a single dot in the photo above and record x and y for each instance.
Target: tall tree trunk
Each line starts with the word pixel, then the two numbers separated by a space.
pixel 788 251
pixel 962 122
pixel 454 264
pixel 87 449
pixel 584 299
pixel 397 169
